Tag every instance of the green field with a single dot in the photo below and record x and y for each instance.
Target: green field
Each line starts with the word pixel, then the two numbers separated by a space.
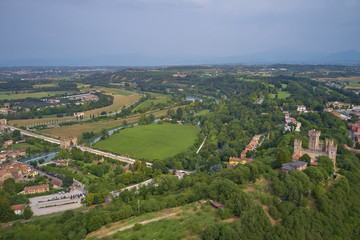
pixel 11 96
pixel 281 94
pixel 154 141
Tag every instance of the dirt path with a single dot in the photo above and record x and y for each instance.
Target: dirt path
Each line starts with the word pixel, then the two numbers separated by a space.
pixel 104 232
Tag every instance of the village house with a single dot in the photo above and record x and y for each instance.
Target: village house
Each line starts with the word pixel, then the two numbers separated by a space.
pixel 18 209
pixel 12 154
pixel 36 189
pixel 301 108
pixel 79 114
pixel 8 143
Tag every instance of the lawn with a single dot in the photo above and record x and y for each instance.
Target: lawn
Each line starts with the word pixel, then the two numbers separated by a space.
pixel 154 141
pixel 12 96
pixel 202 112
pixel 281 94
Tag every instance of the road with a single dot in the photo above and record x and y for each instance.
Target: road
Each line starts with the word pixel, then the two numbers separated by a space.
pixel 137 186
pixel 26 133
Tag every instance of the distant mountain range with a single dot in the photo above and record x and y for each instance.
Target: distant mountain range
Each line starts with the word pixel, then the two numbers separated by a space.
pixel 350 57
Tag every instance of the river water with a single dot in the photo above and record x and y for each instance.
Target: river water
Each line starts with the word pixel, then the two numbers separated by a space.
pixel 46 156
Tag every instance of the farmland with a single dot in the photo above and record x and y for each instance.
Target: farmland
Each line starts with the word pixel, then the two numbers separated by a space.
pixel 154 141
pixel 119 102
pixel 12 95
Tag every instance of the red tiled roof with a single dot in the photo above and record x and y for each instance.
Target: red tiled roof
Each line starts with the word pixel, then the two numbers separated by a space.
pixel 18 207
pixel 36 187
pixel 297 156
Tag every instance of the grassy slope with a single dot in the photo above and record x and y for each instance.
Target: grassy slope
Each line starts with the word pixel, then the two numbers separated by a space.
pixel 154 141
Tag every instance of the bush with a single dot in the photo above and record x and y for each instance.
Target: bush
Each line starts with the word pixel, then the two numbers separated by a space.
pixel 137 226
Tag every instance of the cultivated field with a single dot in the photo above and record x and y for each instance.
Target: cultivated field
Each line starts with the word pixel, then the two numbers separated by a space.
pixel 154 141
pixel 78 129
pixel 12 95
pixel 119 102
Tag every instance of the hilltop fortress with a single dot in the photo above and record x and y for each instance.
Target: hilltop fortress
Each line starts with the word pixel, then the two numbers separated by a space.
pixel 316 147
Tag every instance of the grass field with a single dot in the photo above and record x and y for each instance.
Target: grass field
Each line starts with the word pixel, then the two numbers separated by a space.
pixel 154 141
pixel 78 129
pixel 202 113
pixel 281 94
pixel 11 96
pixel 188 223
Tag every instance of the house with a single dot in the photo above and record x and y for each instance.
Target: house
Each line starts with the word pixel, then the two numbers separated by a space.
pixel 234 160
pixel 36 189
pixel 297 165
pixel 18 208
pixel 57 182
pixel 337 104
pixel 8 143
pixel 301 108
pixel 79 114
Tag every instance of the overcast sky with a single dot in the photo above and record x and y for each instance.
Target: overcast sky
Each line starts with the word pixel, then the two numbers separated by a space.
pixel 82 28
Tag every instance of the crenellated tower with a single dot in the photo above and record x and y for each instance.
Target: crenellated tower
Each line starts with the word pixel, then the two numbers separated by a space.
pixel 297 147
pixel 314 139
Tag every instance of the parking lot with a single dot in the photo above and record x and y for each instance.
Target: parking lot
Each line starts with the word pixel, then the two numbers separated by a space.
pixel 56 202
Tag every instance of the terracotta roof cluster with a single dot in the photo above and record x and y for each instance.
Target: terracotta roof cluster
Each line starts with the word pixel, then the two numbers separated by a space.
pixel 16 170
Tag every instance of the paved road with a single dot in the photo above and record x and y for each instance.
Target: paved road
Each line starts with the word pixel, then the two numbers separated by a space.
pixel 137 186
pixel 52 140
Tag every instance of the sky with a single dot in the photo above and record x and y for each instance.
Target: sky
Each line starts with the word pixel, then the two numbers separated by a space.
pixel 216 28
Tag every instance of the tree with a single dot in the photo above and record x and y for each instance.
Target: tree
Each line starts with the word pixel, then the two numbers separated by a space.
pixel 33 163
pixel 41 161
pixel 5 211
pixel 67 181
pixel 63 154
pixel 9 186
pixel 28 213
pixel 306 158
pixel 16 136
pixel 283 157
pixel 179 113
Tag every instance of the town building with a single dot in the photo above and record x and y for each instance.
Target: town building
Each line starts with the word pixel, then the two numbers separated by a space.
pixel 68 143
pixel 316 147
pixel 79 114
pixel 36 189
pixel 18 209
pixel 233 161
pixel 3 121
pixel 355 128
pixel 12 154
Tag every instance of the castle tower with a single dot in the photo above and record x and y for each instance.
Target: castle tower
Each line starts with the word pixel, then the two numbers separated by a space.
pixel 297 147
pixel 314 139
pixel 330 149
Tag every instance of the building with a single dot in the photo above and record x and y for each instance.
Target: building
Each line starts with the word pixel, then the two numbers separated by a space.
pixel 235 161
pixel 57 182
pixel 13 154
pixel 3 121
pixel 18 209
pixel 297 166
pixel 16 170
pixel 337 104
pixel 36 189
pixel 301 108
pixel 316 147
pixel 68 143
pixel 79 114
pixel 8 143
pixel 355 128
pixel 217 204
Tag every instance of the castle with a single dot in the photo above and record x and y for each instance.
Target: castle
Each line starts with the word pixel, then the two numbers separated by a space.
pixel 316 147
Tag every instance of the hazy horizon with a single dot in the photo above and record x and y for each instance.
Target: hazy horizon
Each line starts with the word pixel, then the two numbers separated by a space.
pixel 80 29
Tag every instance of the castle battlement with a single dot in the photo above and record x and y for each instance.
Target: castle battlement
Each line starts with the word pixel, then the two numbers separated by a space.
pixel 316 147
